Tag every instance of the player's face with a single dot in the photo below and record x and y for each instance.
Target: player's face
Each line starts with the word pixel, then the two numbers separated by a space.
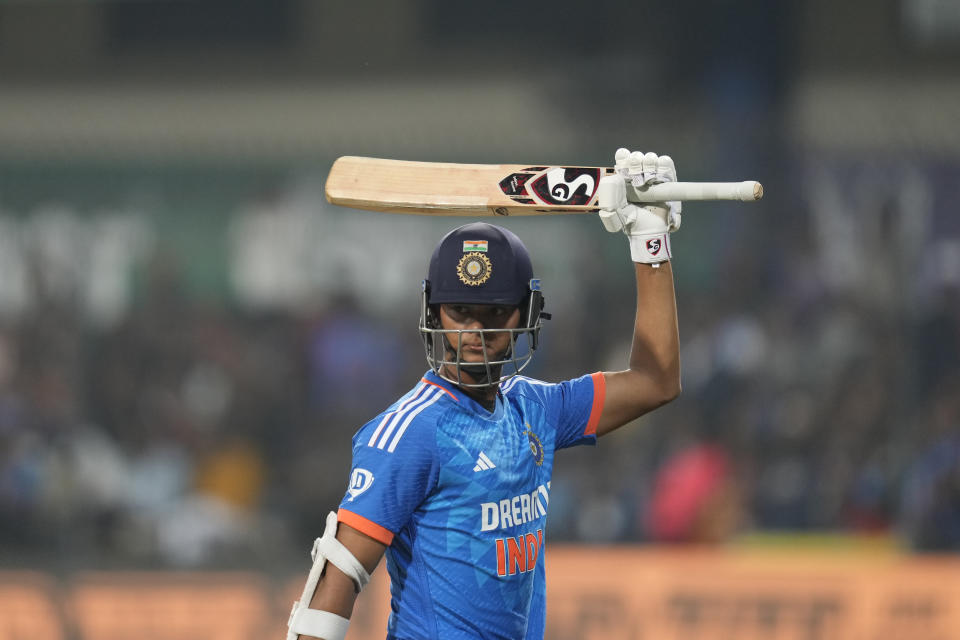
pixel 479 316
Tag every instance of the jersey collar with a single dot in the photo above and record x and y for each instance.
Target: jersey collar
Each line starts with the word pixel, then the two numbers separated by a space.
pixel 430 377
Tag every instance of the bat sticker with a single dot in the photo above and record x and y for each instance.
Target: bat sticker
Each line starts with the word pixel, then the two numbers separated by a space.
pixel 552 185
pixel 566 185
pixel 515 184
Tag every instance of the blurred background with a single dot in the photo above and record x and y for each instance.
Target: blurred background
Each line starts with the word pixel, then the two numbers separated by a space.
pixel 190 334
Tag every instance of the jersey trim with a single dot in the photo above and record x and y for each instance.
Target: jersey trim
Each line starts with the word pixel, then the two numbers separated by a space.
pixel 441 388
pixel 390 415
pixel 599 395
pixel 507 386
pixel 430 399
pixel 363 525
pixel 403 416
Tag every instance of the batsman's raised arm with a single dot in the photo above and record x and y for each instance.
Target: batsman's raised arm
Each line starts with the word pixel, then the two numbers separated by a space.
pixel 653 376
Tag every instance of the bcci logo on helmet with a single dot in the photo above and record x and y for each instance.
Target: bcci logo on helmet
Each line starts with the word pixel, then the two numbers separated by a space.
pixel 474 269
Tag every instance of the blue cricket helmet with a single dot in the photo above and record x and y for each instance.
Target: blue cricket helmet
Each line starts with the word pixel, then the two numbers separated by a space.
pixel 481 263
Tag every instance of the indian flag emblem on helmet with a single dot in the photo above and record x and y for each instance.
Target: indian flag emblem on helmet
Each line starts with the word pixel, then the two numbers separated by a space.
pixel 474 268
pixel 475 245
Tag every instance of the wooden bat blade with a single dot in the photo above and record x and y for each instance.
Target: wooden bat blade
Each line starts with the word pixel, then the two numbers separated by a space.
pixel 401 186
pixel 438 188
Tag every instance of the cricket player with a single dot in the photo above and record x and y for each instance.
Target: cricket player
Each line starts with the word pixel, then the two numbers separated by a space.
pixel 452 481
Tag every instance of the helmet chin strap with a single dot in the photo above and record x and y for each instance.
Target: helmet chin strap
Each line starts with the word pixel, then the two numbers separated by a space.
pixel 481 373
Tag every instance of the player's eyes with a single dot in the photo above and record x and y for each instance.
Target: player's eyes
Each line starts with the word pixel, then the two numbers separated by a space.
pixel 461 312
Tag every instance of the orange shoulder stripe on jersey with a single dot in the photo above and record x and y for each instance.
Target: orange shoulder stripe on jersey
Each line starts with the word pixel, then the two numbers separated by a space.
pixel 369 527
pixel 599 395
pixel 446 391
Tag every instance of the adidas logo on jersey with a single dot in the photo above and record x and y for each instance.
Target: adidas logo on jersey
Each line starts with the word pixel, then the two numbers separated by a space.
pixel 483 463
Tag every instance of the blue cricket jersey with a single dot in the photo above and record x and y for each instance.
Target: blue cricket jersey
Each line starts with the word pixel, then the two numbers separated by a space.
pixel 461 495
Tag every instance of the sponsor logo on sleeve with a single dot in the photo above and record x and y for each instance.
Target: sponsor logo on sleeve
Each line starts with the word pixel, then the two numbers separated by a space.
pixel 360 481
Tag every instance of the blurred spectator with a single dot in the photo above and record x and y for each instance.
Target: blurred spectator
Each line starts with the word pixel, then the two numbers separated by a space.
pixel 695 498
pixel 931 490
pixel 355 362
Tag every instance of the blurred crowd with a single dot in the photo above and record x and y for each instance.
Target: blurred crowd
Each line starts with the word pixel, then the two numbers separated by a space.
pixel 821 359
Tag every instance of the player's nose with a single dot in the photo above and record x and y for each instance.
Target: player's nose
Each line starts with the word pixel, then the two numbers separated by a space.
pixel 473 322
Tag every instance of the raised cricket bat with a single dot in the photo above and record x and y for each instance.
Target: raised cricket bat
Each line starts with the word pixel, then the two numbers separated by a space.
pixel 448 189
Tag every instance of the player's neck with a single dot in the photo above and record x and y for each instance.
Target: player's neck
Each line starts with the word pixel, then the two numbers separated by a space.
pixel 486 397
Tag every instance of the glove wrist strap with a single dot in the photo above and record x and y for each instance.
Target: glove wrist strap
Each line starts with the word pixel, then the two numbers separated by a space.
pixel 650 248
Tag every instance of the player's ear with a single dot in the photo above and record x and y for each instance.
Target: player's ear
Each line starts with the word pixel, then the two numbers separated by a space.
pixel 433 316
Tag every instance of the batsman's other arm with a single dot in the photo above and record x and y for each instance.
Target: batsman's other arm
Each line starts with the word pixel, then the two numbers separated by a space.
pixel 336 592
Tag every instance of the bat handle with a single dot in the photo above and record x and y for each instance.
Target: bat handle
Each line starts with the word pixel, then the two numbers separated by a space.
pixel 746 191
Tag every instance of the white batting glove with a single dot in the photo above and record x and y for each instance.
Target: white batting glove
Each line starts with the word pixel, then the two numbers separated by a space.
pixel 647 226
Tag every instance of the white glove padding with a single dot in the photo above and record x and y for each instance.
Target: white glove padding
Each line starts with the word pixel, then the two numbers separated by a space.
pixel 647 226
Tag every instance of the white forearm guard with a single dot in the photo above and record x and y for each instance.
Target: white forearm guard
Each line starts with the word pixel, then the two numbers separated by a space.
pixel 313 622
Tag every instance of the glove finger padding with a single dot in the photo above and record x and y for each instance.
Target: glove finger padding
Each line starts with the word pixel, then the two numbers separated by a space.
pixel 666 171
pixel 612 200
pixel 650 165
pixel 673 217
pixel 612 193
pixel 611 220
pixel 622 162
pixel 635 168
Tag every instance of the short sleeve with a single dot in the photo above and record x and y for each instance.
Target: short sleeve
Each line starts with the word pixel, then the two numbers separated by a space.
pixel 578 404
pixel 386 486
